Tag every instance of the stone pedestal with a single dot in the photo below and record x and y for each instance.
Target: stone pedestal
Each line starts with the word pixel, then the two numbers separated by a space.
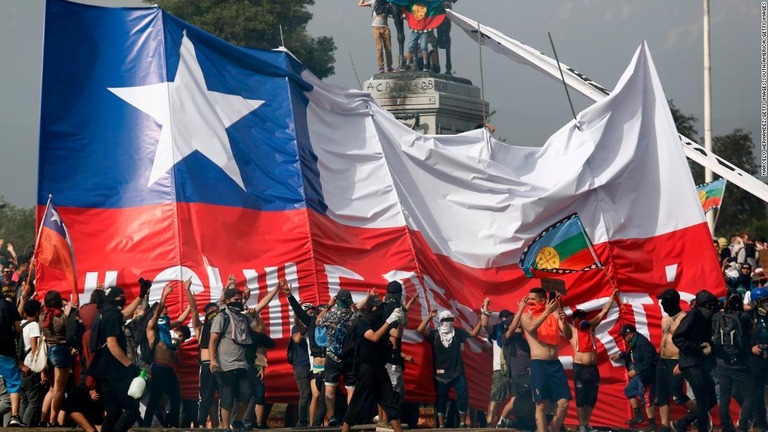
pixel 428 102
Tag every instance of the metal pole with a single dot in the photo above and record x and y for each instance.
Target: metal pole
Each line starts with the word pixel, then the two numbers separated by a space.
pixel 708 108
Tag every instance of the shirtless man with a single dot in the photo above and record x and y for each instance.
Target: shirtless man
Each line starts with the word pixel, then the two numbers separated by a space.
pixel 586 376
pixel 548 382
pixel 669 380
pixel 164 379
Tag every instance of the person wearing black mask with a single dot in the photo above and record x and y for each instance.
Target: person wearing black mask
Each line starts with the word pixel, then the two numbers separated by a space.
pixel 396 361
pixel 111 367
pixel 739 284
pixel 372 381
pixel 669 380
pixel 694 339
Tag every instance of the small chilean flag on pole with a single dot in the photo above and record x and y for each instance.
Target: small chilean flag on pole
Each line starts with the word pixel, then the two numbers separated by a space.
pixel 54 255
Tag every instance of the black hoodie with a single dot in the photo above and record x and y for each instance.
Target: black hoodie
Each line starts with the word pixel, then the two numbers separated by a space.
pixel 694 329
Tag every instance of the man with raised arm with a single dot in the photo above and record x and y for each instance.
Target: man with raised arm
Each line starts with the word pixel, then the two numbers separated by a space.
pixel 586 376
pixel 544 330
pixel 497 335
pixel 447 344
pixel 164 380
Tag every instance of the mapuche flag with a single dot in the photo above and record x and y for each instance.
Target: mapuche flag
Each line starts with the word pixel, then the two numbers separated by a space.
pixel 711 194
pixel 54 255
pixel 563 247
pixel 423 15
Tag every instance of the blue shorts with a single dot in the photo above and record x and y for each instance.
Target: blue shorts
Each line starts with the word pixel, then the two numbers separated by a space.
pixel 9 370
pixel 59 356
pixel 548 381
pixel 420 40
pixel 636 389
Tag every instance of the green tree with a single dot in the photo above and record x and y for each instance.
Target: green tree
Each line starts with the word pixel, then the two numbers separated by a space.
pixel 17 227
pixel 741 210
pixel 256 24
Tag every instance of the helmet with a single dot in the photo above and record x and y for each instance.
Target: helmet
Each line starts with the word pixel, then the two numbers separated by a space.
pixel 758 294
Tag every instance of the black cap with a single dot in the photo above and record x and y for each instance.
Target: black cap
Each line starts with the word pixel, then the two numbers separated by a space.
pixel 626 329
pixel 504 313
pixel 579 313
pixel 344 295
pixel 669 294
pixel 394 287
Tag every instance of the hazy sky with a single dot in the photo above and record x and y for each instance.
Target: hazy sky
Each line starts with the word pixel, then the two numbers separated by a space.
pixel 596 37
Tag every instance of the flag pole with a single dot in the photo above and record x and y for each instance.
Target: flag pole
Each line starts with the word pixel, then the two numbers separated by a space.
pixel 717 215
pixel 562 78
pixel 37 240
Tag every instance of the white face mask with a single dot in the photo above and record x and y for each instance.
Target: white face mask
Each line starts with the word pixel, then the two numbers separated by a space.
pixel 446 326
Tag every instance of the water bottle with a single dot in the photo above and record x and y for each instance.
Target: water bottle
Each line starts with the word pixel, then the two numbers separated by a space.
pixel 138 385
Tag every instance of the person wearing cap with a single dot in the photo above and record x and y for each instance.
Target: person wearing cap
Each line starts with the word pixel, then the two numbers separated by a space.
pixel 111 367
pixel 396 361
pixel 586 376
pixel 500 387
pixel 309 320
pixel 640 358
pixel 517 355
pixel 693 337
pixel 10 327
pixel 669 380
pixel 740 283
pixel 544 326
pixel 447 343
pixel 337 319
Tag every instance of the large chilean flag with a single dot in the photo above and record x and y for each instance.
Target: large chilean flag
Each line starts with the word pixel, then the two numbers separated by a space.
pixel 173 154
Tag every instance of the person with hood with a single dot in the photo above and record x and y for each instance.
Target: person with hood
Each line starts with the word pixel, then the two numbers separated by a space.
pixel 544 329
pixel 693 338
pixel 111 367
pixel 370 358
pixel 586 376
pixel 397 359
pixel 164 380
pixel 732 362
pixel 447 344
pixel 641 358
pixel 669 379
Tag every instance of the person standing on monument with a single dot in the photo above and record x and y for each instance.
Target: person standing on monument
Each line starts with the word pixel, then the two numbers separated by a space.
pixel 381 34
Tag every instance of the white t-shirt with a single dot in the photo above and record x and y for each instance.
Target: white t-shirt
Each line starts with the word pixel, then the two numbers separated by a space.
pixel 30 330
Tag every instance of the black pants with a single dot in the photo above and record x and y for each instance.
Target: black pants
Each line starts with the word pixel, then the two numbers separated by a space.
pixel 372 386
pixel 122 410
pixel 732 380
pixel 703 387
pixel 208 388
pixel 758 370
pixel 258 390
pixel 31 399
pixel 164 382
pixel 303 378
pixel 318 380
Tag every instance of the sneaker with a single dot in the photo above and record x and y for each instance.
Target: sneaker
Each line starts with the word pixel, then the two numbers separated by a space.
pixel 238 426
pixel 502 424
pixel 676 427
pixel 381 70
pixel 425 70
pixel 16 422
pixel 581 429
pixel 390 69
pixel 333 422
pixel 463 426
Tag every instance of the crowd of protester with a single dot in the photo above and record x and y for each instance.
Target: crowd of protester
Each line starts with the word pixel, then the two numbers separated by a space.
pixel 66 365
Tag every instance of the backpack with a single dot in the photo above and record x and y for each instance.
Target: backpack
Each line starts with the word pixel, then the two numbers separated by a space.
pixel 727 336
pixel 75 329
pixel 146 353
pixel 21 351
pixel 380 7
pixel 321 336
pixel 336 342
